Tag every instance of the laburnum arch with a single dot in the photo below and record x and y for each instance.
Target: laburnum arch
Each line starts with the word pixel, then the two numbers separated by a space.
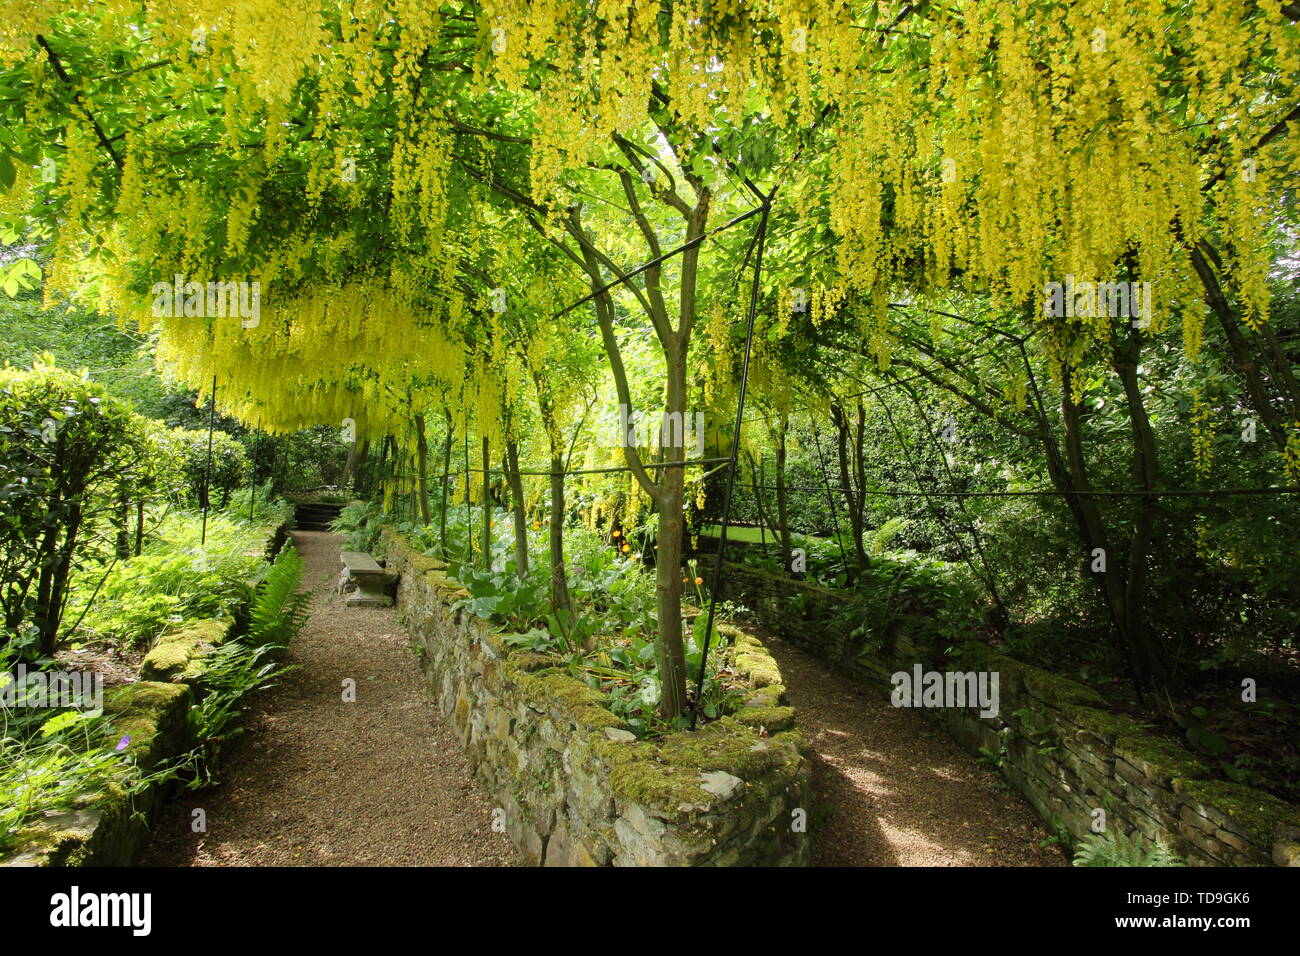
pixel 376 165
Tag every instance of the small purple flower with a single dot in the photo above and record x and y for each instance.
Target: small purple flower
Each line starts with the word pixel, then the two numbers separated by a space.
pixel 122 744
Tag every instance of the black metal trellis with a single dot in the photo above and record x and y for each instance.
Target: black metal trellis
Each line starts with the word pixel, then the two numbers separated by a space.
pixel 760 239
pixel 763 210
pixel 830 499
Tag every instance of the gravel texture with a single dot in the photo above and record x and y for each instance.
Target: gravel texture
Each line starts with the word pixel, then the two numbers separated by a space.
pixel 892 789
pixel 315 781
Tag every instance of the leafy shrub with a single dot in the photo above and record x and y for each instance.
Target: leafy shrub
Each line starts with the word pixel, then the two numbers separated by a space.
pixel 230 465
pixel 176 580
pixel 360 523
pixel 142 597
pixel 70 457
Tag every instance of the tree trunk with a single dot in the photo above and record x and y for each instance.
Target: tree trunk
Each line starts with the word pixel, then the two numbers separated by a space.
pixel 350 468
pixel 1110 582
pixel 1150 666
pixel 560 600
pixel 446 484
pixel 422 467
pixel 122 519
pixel 852 498
pixel 782 508
pixel 487 505
pixel 760 508
pixel 53 585
pixel 1242 358
pixel 380 466
pixel 139 527
pixel 360 478
pixel 559 581
pixel 669 649
pixel 511 468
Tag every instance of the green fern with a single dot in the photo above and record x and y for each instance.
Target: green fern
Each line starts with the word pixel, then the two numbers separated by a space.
pixel 279 611
pixel 233 672
pixel 1116 849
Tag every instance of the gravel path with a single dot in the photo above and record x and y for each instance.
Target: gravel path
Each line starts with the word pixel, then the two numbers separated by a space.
pixel 315 781
pixel 894 790
pixel 382 781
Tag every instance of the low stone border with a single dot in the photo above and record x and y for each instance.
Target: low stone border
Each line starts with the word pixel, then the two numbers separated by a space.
pixel 573 785
pixel 111 828
pixel 1052 739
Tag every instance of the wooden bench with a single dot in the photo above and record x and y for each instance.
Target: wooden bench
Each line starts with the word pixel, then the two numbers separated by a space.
pixel 366 581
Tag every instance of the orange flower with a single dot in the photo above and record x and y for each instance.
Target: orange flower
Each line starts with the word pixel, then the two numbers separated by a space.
pixel 699 580
pixel 626 549
pixel 615 532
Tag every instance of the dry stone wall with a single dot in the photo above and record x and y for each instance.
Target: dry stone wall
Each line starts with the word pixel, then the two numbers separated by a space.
pixel 573 785
pixel 110 829
pixel 1053 738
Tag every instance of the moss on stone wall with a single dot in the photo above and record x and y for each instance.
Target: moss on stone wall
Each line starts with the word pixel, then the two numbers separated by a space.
pixel 112 827
pixel 1076 754
pixel 576 786
pixel 177 656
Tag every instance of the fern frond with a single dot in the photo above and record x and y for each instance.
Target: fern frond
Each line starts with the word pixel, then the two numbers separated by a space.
pixel 279 611
pixel 1116 849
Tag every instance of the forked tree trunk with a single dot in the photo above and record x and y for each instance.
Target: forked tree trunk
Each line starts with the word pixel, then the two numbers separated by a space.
pixel 1126 358
pixel 1112 581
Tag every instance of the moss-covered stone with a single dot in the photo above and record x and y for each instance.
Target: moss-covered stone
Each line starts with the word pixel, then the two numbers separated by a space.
pixel 582 704
pixel 1059 691
pixel 975 655
pixel 1161 761
pixel 750 658
pixel 152 714
pixel 177 656
pixel 537 738
pixel 1102 724
pixel 664 774
pixel 1255 814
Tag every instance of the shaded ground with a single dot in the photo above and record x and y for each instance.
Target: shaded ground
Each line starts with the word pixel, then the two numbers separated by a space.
pixel 894 790
pixel 315 781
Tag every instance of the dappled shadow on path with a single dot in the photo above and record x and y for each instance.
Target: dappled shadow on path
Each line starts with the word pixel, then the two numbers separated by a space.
pixel 892 789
